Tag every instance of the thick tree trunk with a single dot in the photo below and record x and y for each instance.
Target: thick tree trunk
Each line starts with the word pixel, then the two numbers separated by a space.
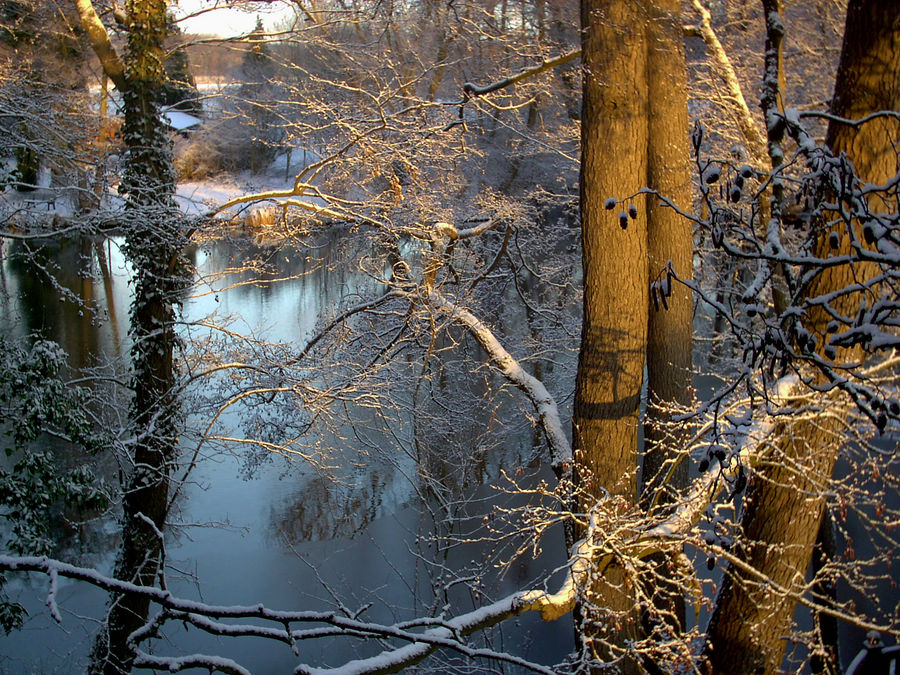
pixel 782 511
pixel 784 505
pixel 670 240
pixel 868 80
pixel 614 334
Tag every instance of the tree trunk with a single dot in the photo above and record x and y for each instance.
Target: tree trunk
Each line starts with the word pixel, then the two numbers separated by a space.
pixel 614 333
pixel 784 505
pixel 670 241
pixel 782 511
pixel 153 246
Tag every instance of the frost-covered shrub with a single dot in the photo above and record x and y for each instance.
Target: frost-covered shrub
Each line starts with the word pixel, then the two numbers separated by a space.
pixel 232 145
pixel 197 158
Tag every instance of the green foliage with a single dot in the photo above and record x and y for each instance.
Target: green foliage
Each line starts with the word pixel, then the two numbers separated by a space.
pixel 39 407
pixel 12 614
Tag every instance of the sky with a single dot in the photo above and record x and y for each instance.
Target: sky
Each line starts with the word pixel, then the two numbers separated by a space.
pixel 228 18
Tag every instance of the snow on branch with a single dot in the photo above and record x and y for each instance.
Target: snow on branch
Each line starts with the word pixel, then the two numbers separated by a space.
pixel 548 411
pixel 174 664
pixel 756 143
pixel 472 89
pixel 590 557
pixel 100 42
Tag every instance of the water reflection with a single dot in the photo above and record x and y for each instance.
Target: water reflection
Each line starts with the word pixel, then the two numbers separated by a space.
pixel 324 510
pixel 396 468
pixel 72 292
pixel 69 292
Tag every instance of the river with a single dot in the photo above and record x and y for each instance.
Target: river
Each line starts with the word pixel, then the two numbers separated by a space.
pixel 250 526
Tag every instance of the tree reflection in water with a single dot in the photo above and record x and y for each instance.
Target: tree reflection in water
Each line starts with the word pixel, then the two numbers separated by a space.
pixel 382 515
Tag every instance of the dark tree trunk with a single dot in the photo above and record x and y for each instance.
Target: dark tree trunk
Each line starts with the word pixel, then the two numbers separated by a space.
pixel 153 245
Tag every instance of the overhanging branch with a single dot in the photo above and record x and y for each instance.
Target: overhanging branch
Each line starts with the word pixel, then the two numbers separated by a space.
pixel 472 89
pixel 588 558
pixel 721 64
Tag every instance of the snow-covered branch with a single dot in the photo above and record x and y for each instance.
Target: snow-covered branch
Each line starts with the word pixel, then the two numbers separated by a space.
pixel 543 401
pixel 472 89
pixel 590 557
pixel 756 143
pixel 100 42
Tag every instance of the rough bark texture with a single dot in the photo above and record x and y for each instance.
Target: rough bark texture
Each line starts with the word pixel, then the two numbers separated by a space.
pixel 614 334
pixel 783 507
pixel 782 511
pixel 868 80
pixel 670 242
pixel 669 239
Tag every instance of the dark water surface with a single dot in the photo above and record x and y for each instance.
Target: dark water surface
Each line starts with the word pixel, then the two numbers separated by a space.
pixel 249 528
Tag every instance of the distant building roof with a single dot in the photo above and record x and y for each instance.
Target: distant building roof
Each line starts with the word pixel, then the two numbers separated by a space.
pixel 179 121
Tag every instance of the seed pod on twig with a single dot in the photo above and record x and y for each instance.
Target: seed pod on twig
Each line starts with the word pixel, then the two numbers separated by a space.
pixel 711 174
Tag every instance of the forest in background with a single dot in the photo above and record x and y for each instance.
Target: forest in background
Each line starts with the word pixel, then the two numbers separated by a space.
pixel 704 284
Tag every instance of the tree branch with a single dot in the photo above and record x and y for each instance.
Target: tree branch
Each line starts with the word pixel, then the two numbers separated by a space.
pixel 474 90
pixel 590 557
pixel 560 448
pixel 100 42
pixel 721 64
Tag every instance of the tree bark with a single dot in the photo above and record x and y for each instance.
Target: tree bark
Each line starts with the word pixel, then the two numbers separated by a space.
pixel 670 242
pixel 614 333
pixel 153 245
pixel 785 503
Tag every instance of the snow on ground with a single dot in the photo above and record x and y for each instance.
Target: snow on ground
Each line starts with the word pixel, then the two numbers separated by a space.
pixel 193 197
pixel 198 196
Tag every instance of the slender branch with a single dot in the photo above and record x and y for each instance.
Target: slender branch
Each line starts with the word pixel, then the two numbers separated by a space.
pixel 175 664
pixel 474 90
pixel 856 124
pixel 340 318
pixel 560 448
pixel 588 558
pixel 756 144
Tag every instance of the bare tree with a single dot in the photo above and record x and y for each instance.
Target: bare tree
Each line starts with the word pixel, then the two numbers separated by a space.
pixel 407 177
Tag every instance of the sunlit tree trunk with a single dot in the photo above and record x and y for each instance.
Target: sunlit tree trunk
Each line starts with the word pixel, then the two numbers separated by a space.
pixel 670 241
pixel 614 333
pixel 784 505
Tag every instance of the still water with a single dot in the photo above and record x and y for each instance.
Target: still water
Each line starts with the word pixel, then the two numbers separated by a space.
pixel 249 527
